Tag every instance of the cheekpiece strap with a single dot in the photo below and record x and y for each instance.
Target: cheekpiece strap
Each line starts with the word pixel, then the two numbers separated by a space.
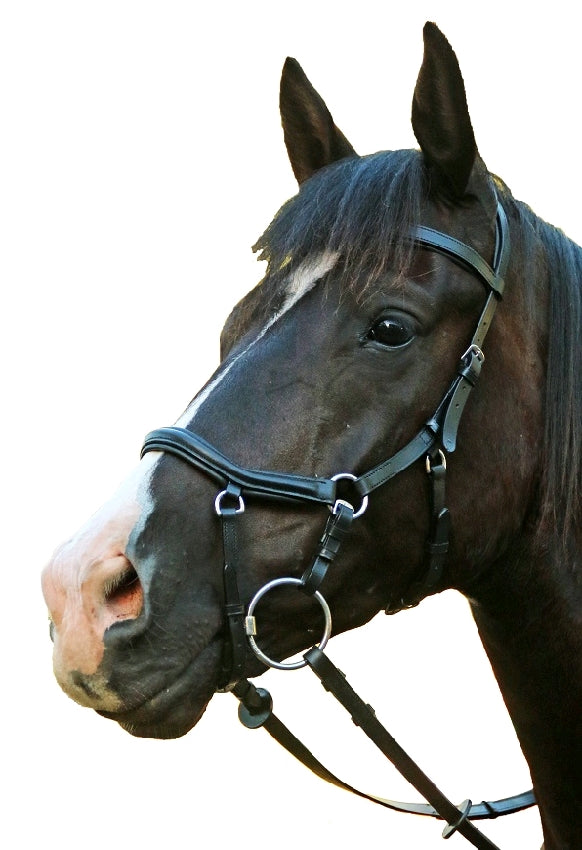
pixel 234 656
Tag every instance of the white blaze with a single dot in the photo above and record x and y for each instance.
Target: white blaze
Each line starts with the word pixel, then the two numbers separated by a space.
pixel 299 284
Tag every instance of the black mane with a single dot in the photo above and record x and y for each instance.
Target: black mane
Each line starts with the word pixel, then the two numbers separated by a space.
pixel 361 207
pixel 561 505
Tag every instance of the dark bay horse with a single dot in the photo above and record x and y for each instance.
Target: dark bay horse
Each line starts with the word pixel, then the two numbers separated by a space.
pixel 360 354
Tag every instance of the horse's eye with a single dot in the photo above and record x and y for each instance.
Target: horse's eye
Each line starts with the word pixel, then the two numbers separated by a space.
pixel 391 332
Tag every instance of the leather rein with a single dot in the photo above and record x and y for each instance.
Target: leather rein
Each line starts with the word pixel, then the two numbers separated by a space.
pixel 437 437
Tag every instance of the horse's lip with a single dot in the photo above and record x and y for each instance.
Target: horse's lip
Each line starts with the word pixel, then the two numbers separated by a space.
pixel 173 710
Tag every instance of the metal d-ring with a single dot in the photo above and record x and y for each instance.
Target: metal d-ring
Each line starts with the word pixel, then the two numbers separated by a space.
pixel 348 476
pixel 218 503
pixel 251 625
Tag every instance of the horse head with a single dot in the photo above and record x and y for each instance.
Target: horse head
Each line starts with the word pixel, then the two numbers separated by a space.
pixel 335 362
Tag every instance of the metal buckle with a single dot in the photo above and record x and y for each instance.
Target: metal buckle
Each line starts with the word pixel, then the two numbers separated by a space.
pixel 429 464
pixel 474 351
pixel 251 624
pixel 348 476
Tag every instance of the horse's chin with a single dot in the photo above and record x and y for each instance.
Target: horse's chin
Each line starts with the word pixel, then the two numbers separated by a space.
pixel 167 729
pixel 175 722
pixel 177 708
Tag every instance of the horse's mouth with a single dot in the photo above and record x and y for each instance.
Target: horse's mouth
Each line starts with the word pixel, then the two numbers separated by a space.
pixel 177 707
pixel 173 710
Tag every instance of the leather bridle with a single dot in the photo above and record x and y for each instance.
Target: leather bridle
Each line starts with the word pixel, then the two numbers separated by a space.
pixel 435 439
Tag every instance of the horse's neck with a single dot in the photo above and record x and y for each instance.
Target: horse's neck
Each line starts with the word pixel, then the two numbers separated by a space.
pixel 529 615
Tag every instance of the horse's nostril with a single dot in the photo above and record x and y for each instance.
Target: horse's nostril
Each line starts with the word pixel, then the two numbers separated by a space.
pixel 123 595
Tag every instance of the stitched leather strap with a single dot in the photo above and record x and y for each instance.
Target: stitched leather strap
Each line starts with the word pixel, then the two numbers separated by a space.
pixel 437 544
pixel 197 452
pixel 446 421
pixel 418 447
pixel 233 658
pixel 364 717
pixel 336 530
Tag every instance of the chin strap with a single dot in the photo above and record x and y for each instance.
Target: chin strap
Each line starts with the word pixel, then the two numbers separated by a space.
pixel 256 710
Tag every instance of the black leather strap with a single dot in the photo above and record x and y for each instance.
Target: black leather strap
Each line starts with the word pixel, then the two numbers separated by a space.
pixel 201 454
pixel 235 650
pixel 468 257
pixel 459 253
pixel 437 544
pixel 446 421
pixel 485 810
pixel 364 717
pixel 336 530
pixel 418 447
pixel 467 376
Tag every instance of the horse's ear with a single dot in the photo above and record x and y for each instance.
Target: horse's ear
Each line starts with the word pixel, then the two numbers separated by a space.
pixel 440 117
pixel 311 137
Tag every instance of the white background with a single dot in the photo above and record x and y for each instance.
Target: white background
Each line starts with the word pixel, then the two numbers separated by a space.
pixel 141 156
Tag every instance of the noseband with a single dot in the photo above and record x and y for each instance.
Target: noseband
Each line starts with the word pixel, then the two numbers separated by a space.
pixel 437 437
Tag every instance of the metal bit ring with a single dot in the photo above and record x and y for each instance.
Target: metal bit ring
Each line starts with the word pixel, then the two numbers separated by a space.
pixel 251 631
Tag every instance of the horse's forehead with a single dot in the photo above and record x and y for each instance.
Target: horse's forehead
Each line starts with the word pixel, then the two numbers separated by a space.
pixel 301 281
pixel 305 276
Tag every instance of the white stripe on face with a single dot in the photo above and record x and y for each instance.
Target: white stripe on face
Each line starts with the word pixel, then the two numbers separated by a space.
pixel 299 284
pixel 76 582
